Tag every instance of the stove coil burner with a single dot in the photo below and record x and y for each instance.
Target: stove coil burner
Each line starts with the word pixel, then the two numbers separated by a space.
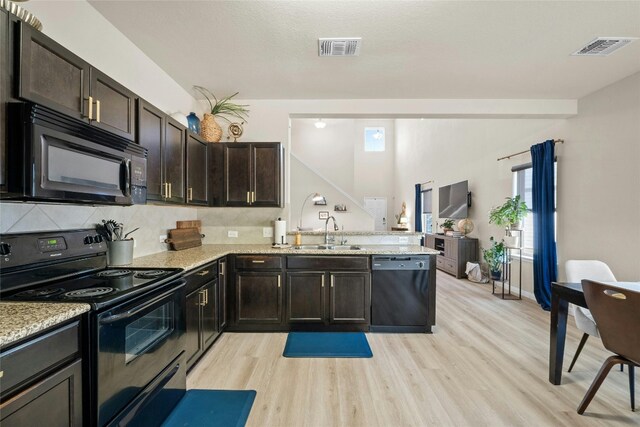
pixel 113 273
pixel 89 292
pixel 151 274
pixel 39 293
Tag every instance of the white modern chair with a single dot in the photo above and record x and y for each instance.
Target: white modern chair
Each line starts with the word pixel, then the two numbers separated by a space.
pixel 577 270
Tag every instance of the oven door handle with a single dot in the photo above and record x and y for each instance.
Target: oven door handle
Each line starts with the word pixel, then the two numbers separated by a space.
pixel 126 182
pixel 130 313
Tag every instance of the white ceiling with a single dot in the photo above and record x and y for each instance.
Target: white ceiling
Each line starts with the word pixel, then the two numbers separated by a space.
pixel 419 49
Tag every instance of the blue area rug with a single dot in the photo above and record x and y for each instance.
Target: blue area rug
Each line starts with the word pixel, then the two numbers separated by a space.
pixel 219 408
pixel 327 344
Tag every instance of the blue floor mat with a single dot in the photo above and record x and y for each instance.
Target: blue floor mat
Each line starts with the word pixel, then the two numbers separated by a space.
pixel 327 344
pixel 215 408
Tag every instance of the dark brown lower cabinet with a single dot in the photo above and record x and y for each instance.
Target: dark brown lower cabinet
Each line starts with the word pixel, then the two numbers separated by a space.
pixel 350 297
pixel 306 298
pixel 202 321
pixel 258 297
pixel 42 380
pixel 328 297
pixel 53 401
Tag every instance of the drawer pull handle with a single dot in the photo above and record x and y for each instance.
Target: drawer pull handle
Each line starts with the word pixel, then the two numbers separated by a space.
pixel 258 261
pixel 202 273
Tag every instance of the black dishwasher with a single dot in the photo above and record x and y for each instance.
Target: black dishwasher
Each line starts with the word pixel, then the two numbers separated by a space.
pixel 403 293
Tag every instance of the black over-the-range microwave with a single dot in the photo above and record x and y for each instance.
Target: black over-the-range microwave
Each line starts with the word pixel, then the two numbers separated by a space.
pixel 56 158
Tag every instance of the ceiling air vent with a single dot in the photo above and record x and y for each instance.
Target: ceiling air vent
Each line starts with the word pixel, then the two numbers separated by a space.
pixel 339 46
pixel 603 46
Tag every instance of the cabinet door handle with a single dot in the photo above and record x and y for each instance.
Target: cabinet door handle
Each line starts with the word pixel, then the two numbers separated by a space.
pixel 223 267
pixel 90 104
pixel 322 283
pixel 170 192
pixel 206 296
pixel 248 197
pixel 278 280
pixel 201 298
pixel 253 197
pixel 189 194
pixel 98 111
pixel 332 280
pixel 202 273
pixel 258 261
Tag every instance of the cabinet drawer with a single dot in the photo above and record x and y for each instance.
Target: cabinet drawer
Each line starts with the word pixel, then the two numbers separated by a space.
pixel 25 362
pixel 258 262
pixel 446 264
pixel 328 262
pixel 198 277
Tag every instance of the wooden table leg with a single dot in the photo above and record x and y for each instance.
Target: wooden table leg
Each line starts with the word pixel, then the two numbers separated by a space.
pixel 559 309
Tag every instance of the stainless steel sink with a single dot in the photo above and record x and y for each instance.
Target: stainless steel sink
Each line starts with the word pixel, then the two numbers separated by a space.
pixel 330 247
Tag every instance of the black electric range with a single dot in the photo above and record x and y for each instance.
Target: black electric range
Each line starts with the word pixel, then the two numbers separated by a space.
pixel 133 340
pixel 70 266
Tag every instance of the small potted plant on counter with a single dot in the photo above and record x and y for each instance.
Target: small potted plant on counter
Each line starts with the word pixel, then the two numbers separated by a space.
pixel 510 216
pixel 447 225
pixel 495 257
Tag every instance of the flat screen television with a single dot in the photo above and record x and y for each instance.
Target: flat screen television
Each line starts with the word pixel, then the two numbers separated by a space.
pixel 454 200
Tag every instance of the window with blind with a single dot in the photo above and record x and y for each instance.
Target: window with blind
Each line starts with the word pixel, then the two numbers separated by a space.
pixel 522 185
pixel 427 215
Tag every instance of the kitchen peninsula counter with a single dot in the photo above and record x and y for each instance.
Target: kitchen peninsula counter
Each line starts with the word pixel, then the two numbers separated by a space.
pixel 191 258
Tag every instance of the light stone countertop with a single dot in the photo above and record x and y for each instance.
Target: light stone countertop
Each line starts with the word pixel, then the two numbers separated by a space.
pixel 19 320
pixel 195 257
pixel 356 233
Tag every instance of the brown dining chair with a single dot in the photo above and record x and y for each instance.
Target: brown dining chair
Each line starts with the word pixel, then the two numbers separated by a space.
pixel 616 311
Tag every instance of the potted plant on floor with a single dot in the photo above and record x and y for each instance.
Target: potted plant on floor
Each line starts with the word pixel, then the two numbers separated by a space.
pixel 495 257
pixel 510 216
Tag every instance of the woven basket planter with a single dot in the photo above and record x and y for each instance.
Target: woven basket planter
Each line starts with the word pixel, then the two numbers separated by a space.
pixel 210 130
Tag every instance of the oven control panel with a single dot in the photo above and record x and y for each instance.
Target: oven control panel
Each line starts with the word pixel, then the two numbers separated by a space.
pixel 18 250
pixel 52 244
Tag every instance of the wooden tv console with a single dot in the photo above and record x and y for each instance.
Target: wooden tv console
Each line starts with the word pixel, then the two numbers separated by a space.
pixel 455 252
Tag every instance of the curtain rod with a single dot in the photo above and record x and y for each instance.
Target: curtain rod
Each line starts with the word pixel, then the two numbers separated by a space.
pixel 555 141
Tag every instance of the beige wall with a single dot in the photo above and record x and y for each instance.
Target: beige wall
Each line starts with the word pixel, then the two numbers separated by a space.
pixel 598 172
pixel 336 153
pixel 599 181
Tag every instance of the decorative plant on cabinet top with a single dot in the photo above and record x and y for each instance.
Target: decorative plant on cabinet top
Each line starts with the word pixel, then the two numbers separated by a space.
pixel 210 129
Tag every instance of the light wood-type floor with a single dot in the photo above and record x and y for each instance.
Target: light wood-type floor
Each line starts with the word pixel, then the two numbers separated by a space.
pixel 485 365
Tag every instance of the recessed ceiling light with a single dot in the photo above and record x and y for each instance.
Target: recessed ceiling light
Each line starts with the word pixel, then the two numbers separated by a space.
pixel 320 124
pixel 603 46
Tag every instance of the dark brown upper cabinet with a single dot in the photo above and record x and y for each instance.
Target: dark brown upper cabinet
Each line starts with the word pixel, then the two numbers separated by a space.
pixel 197 165
pixel 247 174
pixel 114 105
pixel 5 82
pixel 165 139
pixel 173 160
pixel 53 76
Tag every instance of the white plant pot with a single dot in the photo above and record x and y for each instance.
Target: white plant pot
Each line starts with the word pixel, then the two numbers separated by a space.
pixel 512 241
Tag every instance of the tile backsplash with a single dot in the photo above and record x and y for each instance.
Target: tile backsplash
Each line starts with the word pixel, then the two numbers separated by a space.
pixel 154 221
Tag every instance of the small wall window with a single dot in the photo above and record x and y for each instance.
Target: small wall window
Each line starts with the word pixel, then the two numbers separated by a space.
pixel 373 139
